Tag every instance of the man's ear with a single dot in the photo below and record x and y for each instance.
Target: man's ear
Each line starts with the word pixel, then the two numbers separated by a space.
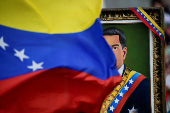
pixel 124 52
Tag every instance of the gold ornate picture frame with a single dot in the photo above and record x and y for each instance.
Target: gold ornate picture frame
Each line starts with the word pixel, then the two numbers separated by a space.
pixel 150 44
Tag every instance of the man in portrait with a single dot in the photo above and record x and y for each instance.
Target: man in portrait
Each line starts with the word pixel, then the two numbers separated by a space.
pixel 132 95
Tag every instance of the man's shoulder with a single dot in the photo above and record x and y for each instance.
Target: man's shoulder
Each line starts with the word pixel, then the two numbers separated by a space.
pixel 132 91
pixel 129 73
pixel 142 83
pixel 140 97
pixel 143 80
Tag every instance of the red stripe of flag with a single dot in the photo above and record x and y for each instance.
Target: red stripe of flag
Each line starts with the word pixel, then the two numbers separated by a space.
pixel 57 90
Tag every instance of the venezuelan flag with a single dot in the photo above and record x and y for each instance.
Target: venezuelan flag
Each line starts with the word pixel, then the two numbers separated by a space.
pixel 53 57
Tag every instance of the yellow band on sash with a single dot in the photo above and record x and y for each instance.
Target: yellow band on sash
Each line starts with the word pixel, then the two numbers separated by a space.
pixel 126 76
pixel 130 75
pixel 124 81
pixel 50 16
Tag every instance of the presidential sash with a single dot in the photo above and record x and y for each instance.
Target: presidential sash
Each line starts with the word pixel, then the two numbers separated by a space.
pixel 116 99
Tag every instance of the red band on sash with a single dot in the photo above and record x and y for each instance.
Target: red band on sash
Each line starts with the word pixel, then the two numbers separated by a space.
pixel 128 93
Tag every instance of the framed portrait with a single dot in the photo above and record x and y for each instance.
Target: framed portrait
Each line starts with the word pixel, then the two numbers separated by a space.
pixel 145 50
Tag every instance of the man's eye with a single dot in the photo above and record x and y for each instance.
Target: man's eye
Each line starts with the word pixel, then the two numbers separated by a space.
pixel 115 47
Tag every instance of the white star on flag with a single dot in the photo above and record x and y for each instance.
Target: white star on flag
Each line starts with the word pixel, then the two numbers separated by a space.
pixel 36 66
pixel 150 23
pixel 2 43
pixel 131 81
pixel 141 14
pixel 147 19
pixel 20 54
pixel 154 27
pixel 137 10
pixel 126 87
pixel 116 101
pixel 160 34
pixel 112 108
pixel 121 94
pixel 156 30
pixel 144 16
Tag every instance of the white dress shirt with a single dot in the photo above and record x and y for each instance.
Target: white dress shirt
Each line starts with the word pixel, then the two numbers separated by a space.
pixel 120 70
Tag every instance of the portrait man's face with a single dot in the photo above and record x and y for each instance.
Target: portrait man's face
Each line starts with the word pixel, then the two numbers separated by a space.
pixel 113 41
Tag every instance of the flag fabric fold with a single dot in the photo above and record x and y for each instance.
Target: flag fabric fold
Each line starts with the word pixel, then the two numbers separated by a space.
pixel 53 60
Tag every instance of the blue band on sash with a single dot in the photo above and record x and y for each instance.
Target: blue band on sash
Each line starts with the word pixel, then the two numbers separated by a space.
pixel 124 89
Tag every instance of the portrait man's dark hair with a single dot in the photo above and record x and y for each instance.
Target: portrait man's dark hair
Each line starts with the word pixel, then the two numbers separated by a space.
pixel 116 31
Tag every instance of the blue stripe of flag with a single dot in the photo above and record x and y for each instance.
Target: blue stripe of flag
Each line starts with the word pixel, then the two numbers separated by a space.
pixel 85 51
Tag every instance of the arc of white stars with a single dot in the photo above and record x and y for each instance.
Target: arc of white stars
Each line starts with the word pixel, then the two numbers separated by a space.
pixel 131 81
pixel 21 55
pixel 2 43
pixel 121 94
pixel 126 87
pixel 35 65
pixel 112 108
pixel 116 101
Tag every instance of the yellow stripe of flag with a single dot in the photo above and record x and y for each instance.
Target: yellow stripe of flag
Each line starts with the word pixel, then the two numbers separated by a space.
pixel 63 16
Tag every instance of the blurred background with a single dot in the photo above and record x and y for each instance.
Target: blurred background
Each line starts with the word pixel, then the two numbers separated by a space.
pixel 151 3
